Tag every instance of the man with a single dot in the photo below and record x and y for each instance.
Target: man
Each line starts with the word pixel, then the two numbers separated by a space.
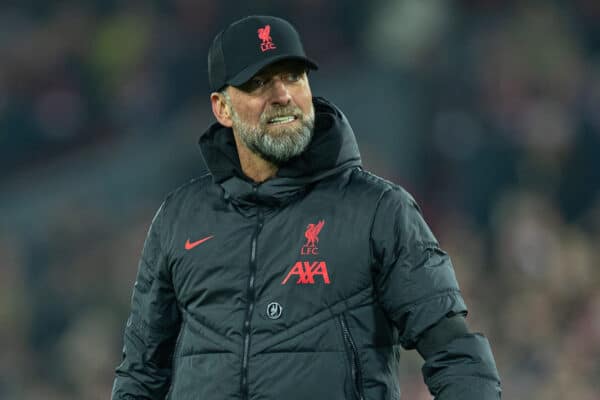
pixel 289 272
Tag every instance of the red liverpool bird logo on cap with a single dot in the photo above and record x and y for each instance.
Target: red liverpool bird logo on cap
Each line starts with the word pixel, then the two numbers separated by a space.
pixel 264 34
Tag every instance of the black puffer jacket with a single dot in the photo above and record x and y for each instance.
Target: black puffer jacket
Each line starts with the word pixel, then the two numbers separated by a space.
pixel 296 288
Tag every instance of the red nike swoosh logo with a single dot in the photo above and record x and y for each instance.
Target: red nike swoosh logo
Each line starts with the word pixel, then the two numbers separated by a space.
pixel 190 245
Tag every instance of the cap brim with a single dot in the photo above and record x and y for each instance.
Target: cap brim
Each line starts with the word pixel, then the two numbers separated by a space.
pixel 244 75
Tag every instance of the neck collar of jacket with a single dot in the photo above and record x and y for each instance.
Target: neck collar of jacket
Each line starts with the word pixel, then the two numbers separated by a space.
pixel 332 149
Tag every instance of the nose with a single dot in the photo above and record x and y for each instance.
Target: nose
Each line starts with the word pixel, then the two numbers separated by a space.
pixel 279 92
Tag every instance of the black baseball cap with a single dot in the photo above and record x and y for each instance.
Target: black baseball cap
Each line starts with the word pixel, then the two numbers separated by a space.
pixel 246 46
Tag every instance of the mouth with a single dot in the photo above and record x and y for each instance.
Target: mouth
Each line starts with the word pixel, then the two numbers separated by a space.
pixel 285 119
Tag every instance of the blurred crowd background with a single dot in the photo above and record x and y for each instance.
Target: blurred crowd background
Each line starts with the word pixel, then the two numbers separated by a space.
pixel 488 111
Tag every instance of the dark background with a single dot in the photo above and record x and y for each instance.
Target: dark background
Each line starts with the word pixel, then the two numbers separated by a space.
pixel 487 111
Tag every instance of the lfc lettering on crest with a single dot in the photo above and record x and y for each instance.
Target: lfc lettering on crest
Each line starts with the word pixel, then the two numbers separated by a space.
pixel 309 251
pixel 267 46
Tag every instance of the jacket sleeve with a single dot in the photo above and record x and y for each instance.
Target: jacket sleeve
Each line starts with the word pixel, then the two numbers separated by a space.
pixel 152 327
pixel 417 288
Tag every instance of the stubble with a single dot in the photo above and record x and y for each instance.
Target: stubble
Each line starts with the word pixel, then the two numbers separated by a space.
pixel 276 144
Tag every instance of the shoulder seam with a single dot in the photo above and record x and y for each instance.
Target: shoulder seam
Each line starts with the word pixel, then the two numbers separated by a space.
pixel 377 179
pixel 406 197
pixel 191 182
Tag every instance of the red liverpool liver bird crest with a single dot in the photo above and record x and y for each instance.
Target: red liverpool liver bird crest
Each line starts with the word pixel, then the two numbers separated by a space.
pixel 312 238
pixel 264 34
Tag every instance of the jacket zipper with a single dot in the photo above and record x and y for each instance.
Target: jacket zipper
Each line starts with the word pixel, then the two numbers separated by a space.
pixel 355 360
pixel 250 306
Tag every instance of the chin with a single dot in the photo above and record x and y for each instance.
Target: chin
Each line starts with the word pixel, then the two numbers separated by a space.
pixel 288 128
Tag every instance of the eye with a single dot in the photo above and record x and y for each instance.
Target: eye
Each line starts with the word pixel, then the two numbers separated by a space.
pixel 293 76
pixel 254 84
pixel 258 82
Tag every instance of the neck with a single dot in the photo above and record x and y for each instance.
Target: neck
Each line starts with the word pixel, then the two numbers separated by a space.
pixel 254 167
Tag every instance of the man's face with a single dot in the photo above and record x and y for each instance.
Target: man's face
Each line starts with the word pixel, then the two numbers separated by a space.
pixel 272 114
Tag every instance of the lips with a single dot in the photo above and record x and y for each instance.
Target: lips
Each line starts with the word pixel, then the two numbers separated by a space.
pixel 284 119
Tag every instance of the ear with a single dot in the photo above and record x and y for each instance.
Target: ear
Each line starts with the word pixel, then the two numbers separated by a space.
pixel 220 109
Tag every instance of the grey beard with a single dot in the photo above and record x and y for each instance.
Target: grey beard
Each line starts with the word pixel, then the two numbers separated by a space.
pixel 279 148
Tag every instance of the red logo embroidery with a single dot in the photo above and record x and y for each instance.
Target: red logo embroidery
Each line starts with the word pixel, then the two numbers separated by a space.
pixel 306 271
pixel 264 34
pixel 190 245
pixel 312 238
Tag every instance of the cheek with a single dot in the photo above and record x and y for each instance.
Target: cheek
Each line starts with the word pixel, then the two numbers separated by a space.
pixel 304 99
pixel 307 98
pixel 249 114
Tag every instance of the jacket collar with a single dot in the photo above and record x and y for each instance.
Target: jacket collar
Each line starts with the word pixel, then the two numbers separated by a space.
pixel 332 149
